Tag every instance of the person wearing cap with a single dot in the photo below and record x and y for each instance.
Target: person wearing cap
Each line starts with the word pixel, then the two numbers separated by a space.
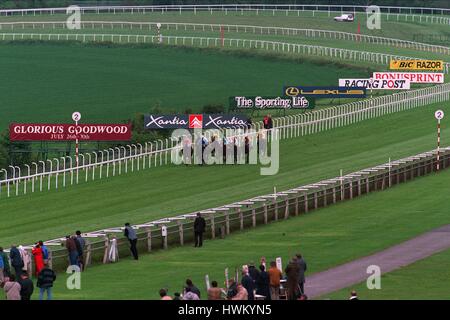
pixel 130 234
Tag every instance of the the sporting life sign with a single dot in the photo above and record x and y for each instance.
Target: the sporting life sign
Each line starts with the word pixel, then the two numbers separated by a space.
pixel 194 121
pixel 325 92
pixel 426 65
pixel 374 84
pixel 258 102
pixel 66 132
pixel 413 77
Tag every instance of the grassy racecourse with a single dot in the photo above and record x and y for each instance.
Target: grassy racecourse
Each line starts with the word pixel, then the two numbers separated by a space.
pixel 111 84
pixel 428 279
pixel 186 189
pixel 326 237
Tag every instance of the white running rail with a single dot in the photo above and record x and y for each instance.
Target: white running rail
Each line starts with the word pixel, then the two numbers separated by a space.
pixel 259 30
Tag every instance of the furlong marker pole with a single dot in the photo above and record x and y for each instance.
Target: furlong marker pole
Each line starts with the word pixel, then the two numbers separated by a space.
pixel 439 115
pixel 438 144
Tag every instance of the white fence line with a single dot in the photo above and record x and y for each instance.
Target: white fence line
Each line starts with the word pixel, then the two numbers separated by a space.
pixel 158 152
pixel 285 47
pixel 414 14
pixel 260 30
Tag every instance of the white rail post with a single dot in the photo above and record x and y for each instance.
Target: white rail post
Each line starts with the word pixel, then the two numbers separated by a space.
pixel 140 155
pixel 40 176
pixel 120 160
pixel 87 168
pixel 114 163
pixel 25 180
pixel 49 178
pixel 6 181
pixel 71 168
pixel 57 172
pixel 35 175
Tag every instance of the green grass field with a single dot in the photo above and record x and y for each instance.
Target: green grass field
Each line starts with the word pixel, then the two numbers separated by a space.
pixel 111 84
pixel 427 279
pixel 182 189
pixel 326 238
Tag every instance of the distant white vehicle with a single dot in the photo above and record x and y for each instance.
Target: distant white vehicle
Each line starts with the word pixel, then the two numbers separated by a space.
pixel 347 17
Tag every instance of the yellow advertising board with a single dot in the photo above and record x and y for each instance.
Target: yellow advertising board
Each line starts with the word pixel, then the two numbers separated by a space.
pixel 429 65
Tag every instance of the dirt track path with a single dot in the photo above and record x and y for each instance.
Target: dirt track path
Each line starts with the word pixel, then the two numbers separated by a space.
pixel 388 260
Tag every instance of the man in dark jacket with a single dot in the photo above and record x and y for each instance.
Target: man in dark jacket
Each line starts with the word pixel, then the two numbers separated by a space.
pixel 16 260
pixel 130 234
pixel 253 272
pixel 26 287
pixel 247 283
pixel 292 279
pixel 45 282
pixel 199 229
pixel 71 246
pixel 82 245
pixel 263 283
pixel 301 274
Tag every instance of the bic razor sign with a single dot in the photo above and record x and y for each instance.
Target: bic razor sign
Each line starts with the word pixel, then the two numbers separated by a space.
pixel 376 84
pixel 430 65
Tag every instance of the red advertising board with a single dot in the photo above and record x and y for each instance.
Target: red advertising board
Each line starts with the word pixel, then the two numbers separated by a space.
pixel 65 132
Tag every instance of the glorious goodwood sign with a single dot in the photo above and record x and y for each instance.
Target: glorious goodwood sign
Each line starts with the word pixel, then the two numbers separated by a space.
pixel 194 121
pixel 65 132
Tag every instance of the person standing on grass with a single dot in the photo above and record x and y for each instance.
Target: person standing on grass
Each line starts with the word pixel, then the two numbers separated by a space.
pixel 130 234
pixel 38 258
pixel 72 251
pixel 189 295
pixel 253 272
pixel 5 259
pixel 163 294
pixel 192 287
pixel 242 293
pixel 2 270
pixel 45 282
pixel 292 272
pixel 16 260
pixel 301 275
pixel 353 295
pixel 275 276
pixel 26 287
pixel 12 288
pixel 214 293
pixel 45 253
pixel 82 245
pixel 263 283
pixel 247 283
pixel 199 229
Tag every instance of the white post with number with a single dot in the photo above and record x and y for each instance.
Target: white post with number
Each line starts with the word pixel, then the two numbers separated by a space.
pixel 76 116
pixel 439 115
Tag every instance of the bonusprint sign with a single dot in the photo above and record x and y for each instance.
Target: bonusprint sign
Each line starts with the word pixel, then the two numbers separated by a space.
pixel 429 65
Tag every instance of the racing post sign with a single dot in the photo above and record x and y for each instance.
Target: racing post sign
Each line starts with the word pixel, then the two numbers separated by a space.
pixel 439 115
